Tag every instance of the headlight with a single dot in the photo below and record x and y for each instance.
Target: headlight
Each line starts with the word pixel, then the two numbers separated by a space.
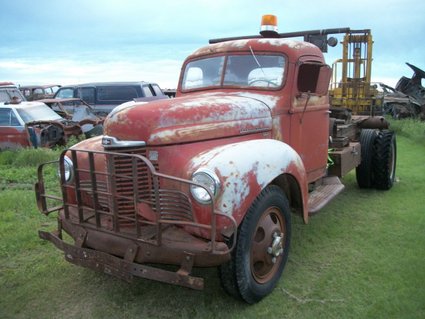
pixel 68 168
pixel 209 180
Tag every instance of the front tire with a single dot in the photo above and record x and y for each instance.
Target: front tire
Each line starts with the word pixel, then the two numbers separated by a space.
pixel 262 247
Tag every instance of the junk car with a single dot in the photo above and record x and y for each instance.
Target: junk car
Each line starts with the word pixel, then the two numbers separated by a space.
pixel 33 124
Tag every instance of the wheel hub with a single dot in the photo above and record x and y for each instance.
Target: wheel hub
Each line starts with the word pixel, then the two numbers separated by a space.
pixel 276 248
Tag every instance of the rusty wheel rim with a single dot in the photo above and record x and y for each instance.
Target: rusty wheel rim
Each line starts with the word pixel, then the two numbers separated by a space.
pixel 268 244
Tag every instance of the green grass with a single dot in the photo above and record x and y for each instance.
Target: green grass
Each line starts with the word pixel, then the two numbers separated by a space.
pixel 362 256
pixel 410 128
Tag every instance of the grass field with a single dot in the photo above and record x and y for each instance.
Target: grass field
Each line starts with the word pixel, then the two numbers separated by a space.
pixel 362 256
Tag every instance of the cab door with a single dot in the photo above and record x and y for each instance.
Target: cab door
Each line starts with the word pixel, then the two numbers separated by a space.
pixel 309 129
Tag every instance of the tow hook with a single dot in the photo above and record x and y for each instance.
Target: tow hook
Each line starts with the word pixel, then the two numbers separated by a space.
pixel 276 249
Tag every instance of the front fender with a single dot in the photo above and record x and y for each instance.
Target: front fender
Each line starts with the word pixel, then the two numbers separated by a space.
pixel 246 168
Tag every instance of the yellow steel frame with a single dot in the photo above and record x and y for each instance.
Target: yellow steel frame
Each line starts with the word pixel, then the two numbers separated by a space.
pixel 351 81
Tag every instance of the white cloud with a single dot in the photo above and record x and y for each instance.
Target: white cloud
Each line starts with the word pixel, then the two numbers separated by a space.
pixel 164 72
pixel 115 40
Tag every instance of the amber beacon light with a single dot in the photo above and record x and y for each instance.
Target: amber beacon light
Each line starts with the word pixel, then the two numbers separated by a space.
pixel 268 25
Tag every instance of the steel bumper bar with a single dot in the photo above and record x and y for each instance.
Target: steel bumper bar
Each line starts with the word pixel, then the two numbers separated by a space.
pixel 122 268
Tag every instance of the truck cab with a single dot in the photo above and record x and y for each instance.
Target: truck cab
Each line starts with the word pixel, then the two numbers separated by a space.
pixel 288 79
pixel 209 178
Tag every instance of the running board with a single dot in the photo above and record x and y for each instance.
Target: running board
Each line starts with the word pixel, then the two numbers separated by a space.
pixel 324 193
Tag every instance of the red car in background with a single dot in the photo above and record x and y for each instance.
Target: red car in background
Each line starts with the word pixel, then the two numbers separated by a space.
pixel 26 124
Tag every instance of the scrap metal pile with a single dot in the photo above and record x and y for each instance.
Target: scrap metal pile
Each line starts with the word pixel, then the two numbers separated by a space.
pixel 407 99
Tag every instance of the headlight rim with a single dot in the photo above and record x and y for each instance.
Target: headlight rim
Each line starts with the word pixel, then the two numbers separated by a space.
pixel 67 162
pixel 216 181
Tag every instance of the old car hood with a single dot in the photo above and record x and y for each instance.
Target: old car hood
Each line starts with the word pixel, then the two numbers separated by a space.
pixel 189 118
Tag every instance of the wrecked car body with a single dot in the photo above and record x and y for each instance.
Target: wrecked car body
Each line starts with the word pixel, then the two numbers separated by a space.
pixel 414 89
pixel 38 92
pixel 396 103
pixel 33 124
pixel 9 92
pixel 77 110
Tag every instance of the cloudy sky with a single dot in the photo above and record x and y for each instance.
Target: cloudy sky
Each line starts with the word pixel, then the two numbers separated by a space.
pixel 80 41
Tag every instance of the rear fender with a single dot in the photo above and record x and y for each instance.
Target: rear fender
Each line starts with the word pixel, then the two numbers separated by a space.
pixel 246 168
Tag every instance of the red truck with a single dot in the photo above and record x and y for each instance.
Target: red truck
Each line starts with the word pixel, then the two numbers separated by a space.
pixel 212 177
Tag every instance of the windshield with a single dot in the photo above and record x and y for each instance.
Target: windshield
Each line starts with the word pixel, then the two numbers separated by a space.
pixel 38 113
pixel 251 70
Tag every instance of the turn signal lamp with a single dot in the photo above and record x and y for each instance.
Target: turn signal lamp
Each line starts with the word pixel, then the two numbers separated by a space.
pixel 268 25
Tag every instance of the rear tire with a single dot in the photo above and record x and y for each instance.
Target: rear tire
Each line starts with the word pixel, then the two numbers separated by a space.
pixel 384 160
pixel 262 248
pixel 364 172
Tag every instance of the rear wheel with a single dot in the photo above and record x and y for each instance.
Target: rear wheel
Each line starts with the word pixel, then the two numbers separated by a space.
pixel 364 172
pixel 384 160
pixel 262 248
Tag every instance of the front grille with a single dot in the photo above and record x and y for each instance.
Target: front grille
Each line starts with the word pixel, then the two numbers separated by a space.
pixel 118 192
pixel 173 204
pixel 127 183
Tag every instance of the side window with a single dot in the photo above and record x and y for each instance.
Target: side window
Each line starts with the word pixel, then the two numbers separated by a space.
pixel 8 118
pixel 65 93
pixel 157 90
pixel 314 77
pixel 13 119
pixel 147 91
pixel 5 117
pixel 87 95
pixel 26 92
pixel 116 93
pixel 308 76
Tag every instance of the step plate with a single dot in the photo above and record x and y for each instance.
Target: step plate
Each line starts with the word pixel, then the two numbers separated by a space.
pixel 323 194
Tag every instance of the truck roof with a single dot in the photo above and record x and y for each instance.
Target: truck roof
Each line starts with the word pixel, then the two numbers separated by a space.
pixel 292 48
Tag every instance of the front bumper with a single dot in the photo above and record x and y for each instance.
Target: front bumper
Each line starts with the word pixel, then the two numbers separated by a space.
pixel 124 259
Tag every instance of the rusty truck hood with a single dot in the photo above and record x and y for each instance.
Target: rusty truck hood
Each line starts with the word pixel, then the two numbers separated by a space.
pixel 190 118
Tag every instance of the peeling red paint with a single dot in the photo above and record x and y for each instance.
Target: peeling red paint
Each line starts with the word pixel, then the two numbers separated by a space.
pixel 192 118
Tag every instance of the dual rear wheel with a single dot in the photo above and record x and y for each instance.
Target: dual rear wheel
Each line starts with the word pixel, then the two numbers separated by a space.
pixel 378 159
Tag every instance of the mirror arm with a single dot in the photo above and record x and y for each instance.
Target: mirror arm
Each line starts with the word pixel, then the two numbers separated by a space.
pixel 305 106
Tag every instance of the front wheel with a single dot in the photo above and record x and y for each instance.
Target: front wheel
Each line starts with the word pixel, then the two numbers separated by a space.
pixel 262 247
